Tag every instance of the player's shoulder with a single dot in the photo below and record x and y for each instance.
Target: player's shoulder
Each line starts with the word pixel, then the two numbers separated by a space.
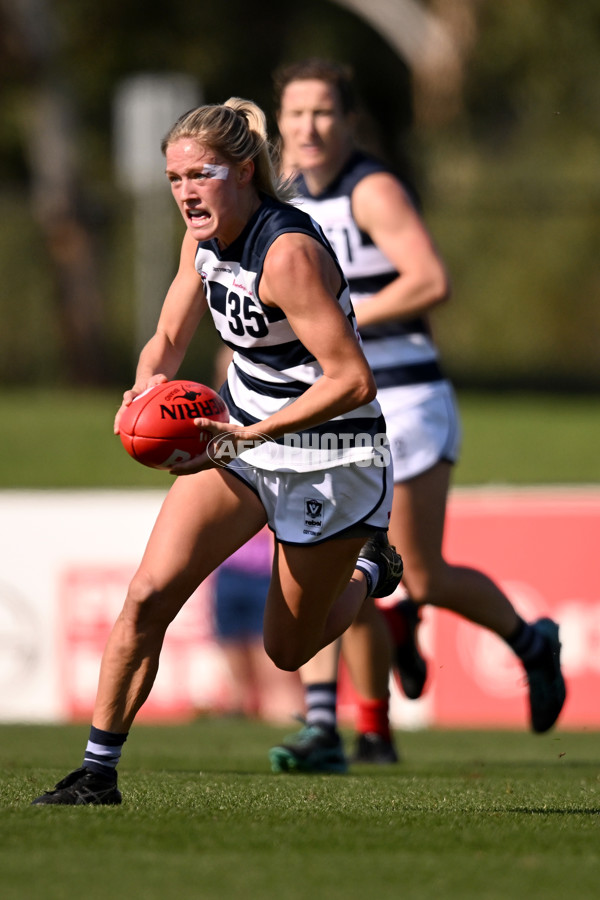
pixel 278 213
pixel 371 176
pixel 277 218
pixel 360 166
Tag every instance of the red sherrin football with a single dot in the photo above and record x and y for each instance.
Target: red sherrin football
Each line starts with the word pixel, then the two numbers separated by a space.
pixel 158 429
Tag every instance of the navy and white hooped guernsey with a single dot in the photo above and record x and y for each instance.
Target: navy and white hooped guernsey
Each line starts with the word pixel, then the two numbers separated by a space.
pixel 270 366
pixel 400 353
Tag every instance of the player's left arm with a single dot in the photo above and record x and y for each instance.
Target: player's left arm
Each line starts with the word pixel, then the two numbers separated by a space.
pixel 383 209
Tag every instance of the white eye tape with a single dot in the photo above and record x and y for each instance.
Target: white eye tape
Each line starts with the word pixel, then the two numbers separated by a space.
pixel 214 171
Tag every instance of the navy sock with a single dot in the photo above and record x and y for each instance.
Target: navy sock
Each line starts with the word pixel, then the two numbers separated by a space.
pixel 321 703
pixel 370 570
pixel 528 644
pixel 103 751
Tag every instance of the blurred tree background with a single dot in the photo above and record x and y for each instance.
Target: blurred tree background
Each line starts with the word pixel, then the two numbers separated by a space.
pixel 491 108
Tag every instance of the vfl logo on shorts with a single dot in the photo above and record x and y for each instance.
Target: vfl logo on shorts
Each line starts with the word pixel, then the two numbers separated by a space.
pixel 313 516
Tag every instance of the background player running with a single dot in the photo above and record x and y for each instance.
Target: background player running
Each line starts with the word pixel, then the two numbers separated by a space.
pixel 396 278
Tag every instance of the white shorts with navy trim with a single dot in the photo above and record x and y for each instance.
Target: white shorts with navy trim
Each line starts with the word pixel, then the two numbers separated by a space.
pixel 311 507
pixel 423 426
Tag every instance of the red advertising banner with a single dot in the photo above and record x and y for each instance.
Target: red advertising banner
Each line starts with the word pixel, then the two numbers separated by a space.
pixel 540 546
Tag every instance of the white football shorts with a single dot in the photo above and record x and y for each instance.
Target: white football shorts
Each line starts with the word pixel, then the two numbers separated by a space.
pixel 311 507
pixel 423 426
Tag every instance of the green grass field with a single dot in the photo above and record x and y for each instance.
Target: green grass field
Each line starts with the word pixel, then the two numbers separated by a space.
pixel 55 439
pixel 465 816
pixel 486 815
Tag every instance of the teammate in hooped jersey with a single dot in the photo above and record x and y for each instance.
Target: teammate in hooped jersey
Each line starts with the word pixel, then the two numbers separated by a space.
pixel 280 301
pixel 396 278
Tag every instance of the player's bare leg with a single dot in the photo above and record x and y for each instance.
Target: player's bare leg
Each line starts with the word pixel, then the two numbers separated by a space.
pixel 315 594
pixel 417 525
pixel 204 518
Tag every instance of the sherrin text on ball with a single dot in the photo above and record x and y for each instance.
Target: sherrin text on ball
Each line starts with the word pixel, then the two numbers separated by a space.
pixel 157 429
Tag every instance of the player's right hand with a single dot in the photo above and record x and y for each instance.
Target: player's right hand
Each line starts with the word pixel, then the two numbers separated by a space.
pixel 130 395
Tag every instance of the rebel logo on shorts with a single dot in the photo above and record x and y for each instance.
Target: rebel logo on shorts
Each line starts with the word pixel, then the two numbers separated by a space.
pixel 313 511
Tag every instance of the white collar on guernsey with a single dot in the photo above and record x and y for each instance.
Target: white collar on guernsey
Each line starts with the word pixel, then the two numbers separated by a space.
pixel 214 171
